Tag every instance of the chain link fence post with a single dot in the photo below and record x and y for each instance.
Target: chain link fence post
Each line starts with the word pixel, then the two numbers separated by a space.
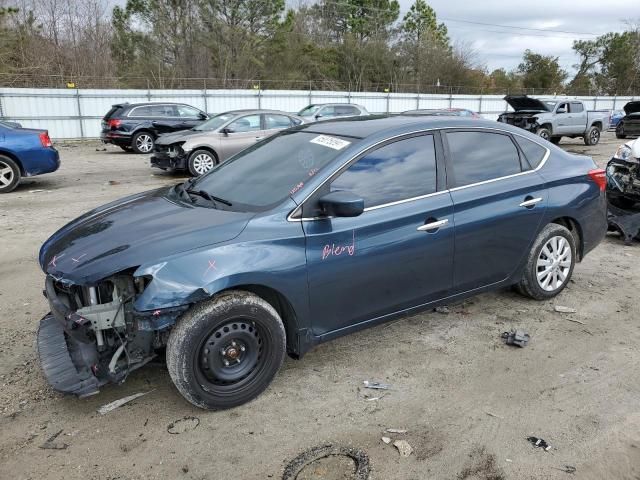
pixel 79 108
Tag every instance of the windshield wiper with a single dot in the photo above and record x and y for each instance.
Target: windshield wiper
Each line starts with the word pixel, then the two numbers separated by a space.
pixel 207 196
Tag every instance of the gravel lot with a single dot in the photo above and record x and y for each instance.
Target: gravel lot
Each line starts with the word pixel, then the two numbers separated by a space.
pixel 467 401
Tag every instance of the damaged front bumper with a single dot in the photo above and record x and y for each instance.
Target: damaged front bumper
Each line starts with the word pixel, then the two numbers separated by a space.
pixel 84 348
pixel 169 157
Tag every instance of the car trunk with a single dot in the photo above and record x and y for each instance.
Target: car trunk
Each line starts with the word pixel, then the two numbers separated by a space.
pixel 632 108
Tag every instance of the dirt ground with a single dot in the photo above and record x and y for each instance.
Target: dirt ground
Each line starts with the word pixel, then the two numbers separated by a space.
pixel 467 401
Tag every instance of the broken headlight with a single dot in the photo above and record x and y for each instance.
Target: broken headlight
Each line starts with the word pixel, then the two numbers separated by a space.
pixel 623 152
pixel 175 150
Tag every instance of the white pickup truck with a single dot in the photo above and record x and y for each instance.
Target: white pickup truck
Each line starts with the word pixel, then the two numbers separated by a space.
pixel 554 119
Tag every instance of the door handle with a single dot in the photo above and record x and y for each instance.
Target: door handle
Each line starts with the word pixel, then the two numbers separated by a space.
pixel 531 202
pixel 433 225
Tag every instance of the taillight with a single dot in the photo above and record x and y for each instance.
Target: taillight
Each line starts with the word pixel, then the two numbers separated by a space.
pixel 45 140
pixel 114 123
pixel 599 177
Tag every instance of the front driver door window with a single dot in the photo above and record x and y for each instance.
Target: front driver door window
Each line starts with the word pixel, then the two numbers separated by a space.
pixel 365 267
pixel 240 134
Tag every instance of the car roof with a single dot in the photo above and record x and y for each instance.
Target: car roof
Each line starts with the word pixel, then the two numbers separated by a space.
pixel 333 105
pixel 249 110
pixel 142 104
pixel 363 127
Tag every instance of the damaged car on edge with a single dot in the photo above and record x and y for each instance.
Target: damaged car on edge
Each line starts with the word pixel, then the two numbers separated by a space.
pixel 623 191
pixel 318 231
pixel 554 119
pixel 629 125
pixel 201 148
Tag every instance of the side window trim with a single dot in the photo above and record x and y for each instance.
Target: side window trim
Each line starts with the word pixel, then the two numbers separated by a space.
pixel 440 171
pixel 449 160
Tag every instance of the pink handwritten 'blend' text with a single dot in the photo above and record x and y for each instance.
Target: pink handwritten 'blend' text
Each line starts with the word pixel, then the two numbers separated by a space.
pixel 337 250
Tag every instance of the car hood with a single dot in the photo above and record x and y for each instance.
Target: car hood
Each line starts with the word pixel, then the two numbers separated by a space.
pixel 632 107
pixel 523 103
pixel 140 229
pixel 182 136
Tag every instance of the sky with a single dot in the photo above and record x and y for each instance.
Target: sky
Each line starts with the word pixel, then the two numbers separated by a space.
pixel 501 47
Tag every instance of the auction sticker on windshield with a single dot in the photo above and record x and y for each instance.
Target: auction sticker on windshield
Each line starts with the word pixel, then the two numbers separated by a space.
pixel 331 142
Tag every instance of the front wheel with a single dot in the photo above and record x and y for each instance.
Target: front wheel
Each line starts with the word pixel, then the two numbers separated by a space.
pixel 225 351
pixel 592 137
pixel 544 133
pixel 200 162
pixel 550 263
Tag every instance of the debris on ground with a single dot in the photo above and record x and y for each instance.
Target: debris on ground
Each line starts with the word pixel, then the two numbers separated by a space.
pixel 403 447
pixel 561 309
pixel 101 149
pixel 575 321
pixel 518 338
pixel 51 444
pixel 395 430
pixel 540 443
pixel 566 469
pixel 112 182
pixel 183 425
pixel 494 415
pixel 293 470
pixel 442 309
pixel 376 385
pixel 386 440
pixel 118 403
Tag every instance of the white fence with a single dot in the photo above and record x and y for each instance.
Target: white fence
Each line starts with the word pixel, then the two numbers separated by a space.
pixel 71 113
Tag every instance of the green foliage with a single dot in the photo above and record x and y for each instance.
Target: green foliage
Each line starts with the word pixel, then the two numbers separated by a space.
pixel 541 71
pixel 420 22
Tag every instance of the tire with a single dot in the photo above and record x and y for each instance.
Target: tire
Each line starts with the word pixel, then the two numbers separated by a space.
pixel 592 137
pixel 544 133
pixel 201 161
pixel 9 174
pixel 551 236
pixel 555 140
pixel 620 131
pixel 235 326
pixel 143 142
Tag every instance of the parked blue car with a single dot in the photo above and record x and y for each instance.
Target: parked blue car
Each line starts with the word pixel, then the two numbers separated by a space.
pixel 316 232
pixel 24 152
pixel 614 118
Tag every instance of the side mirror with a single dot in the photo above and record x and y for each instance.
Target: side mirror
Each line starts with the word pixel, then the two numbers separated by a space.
pixel 319 115
pixel 203 116
pixel 341 204
pixel 561 110
pixel 227 130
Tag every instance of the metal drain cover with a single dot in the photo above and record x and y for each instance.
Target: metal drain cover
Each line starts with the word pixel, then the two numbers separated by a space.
pixel 328 462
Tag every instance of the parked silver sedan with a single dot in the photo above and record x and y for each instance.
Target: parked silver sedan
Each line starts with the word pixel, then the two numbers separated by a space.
pixel 326 111
pixel 203 147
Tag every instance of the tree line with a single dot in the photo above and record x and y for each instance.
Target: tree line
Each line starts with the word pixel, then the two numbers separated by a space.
pixel 324 44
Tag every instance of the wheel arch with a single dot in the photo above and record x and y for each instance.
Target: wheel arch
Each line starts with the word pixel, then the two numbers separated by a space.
pixel 208 148
pixel 597 124
pixel 281 305
pixel 13 157
pixel 574 227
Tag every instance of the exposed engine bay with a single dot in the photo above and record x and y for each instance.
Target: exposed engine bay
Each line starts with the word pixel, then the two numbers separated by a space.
pixel 623 191
pixel 94 336
pixel 526 120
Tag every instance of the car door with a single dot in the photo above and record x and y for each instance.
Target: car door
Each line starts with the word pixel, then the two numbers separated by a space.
pixel 563 122
pixel 499 202
pixel 189 116
pixel 240 134
pixel 396 254
pixel 165 119
pixel 577 117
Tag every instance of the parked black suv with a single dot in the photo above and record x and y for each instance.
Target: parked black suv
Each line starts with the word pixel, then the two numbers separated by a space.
pixel 135 126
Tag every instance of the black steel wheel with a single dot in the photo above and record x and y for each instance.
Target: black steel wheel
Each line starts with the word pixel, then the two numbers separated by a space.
pixel 225 351
pixel 592 137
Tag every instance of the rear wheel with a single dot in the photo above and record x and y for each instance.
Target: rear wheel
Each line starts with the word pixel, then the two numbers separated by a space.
pixel 620 131
pixel 592 137
pixel 201 161
pixel 550 263
pixel 224 352
pixel 142 142
pixel 9 174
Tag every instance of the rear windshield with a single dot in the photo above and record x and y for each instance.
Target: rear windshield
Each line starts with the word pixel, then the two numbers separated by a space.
pixel 113 110
pixel 264 175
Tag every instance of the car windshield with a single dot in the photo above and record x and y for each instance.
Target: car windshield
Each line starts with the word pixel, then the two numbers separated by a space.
pixel 215 122
pixel 310 110
pixel 263 175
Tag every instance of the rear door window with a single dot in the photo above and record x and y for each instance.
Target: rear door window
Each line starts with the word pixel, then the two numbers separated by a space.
pixel 144 111
pixel 163 111
pixel 576 107
pixel 533 152
pixel 397 171
pixel 346 110
pixel 479 156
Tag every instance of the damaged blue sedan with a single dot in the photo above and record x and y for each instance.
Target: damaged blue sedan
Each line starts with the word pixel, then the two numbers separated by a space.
pixel 311 234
